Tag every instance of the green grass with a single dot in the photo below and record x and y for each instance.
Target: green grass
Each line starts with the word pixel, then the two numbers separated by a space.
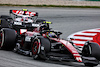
pixel 52 6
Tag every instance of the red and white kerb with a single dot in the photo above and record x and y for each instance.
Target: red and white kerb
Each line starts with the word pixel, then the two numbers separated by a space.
pixel 79 38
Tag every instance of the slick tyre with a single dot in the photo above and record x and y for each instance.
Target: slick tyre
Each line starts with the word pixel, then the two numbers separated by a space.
pixel 8 39
pixel 40 47
pixel 6 21
pixel 36 49
pixel 91 50
pixel 7 18
pixel 4 24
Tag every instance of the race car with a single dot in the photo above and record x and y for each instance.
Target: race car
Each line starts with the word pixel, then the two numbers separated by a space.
pixel 41 42
pixel 47 45
pixel 22 19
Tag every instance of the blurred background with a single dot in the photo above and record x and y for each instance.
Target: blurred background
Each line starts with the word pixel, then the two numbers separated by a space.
pixel 85 0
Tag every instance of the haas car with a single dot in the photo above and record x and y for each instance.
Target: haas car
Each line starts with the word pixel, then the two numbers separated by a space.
pixel 23 33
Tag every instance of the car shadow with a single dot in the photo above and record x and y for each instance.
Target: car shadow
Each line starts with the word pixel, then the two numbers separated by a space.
pixel 74 64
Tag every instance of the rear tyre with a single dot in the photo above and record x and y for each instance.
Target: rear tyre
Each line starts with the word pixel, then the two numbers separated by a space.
pixel 7 18
pixel 4 24
pixel 6 21
pixel 8 39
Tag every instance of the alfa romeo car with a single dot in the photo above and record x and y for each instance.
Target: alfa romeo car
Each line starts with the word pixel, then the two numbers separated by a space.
pixel 35 38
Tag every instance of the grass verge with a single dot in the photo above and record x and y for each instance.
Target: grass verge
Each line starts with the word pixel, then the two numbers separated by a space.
pixel 51 6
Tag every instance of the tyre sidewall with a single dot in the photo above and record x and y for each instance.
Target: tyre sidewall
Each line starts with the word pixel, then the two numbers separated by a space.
pixel 8 39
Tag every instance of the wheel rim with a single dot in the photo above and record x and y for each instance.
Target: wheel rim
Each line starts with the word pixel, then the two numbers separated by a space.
pixel 35 47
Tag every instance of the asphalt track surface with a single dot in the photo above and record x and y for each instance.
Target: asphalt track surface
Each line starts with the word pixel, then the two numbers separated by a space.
pixel 66 20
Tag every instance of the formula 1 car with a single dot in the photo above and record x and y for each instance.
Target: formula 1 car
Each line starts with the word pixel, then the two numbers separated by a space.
pixel 22 19
pixel 41 42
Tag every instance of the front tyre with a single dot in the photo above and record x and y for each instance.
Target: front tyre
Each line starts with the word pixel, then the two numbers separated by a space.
pixel 40 48
pixel 36 49
pixel 91 50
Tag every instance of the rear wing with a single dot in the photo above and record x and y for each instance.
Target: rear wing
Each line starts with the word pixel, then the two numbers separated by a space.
pixel 21 13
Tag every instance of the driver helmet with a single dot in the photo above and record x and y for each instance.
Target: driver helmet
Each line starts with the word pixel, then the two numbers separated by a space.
pixel 52 35
pixel 25 10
